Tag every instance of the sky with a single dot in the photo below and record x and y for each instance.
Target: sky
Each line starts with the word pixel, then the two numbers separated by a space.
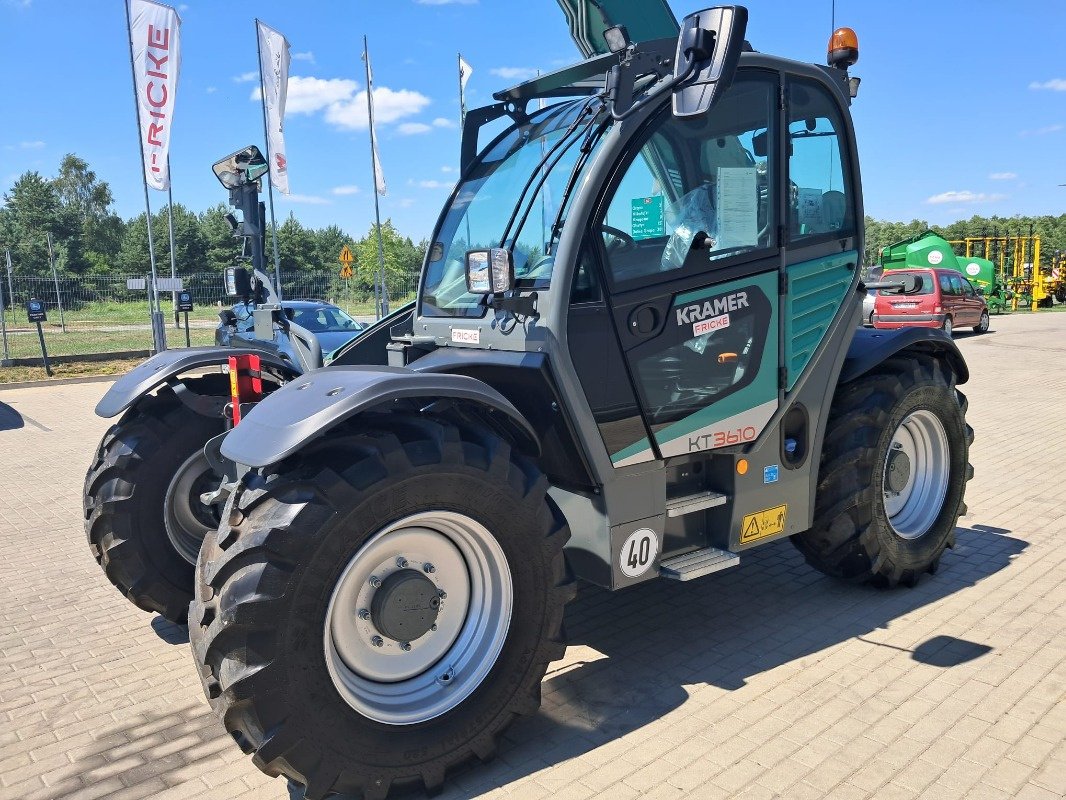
pixel 962 108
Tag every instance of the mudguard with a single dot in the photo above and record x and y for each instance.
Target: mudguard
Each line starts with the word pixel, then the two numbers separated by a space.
pixel 871 347
pixel 161 367
pixel 306 409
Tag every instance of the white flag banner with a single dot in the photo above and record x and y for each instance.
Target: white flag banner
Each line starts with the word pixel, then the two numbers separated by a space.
pixel 379 176
pixel 155 36
pixel 465 71
pixel 274 69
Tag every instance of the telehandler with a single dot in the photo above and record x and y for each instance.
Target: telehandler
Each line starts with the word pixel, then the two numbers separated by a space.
pixel 634 355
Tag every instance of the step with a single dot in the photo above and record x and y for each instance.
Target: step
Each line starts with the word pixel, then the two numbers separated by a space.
pixel 679 506
pixel 697 564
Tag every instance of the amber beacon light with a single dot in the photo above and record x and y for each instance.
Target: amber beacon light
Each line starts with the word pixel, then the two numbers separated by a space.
pixel 843 48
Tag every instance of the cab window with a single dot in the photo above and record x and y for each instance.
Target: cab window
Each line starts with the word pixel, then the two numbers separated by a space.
pixel 695 189
pixel 820 193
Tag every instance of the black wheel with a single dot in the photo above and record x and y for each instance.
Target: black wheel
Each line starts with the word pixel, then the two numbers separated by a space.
pixel 982 326
pixel 378 608
pixel 143 514
pixel 946 326
pixel 893 475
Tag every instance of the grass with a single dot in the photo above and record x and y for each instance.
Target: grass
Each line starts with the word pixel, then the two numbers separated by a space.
pixel 78 369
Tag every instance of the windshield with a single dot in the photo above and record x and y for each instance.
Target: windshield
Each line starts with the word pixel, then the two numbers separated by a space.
pixel 511 197
pixel 325 319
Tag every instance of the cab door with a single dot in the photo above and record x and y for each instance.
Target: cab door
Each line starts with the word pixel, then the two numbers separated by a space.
pixel 687 239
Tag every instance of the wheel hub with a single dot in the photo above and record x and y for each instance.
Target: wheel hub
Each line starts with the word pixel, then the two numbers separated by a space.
pixel 406 606
pixel 187 518
pixel 898 473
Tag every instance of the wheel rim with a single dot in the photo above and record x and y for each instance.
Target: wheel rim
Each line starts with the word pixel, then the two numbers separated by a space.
pixel 984 321
pixel 187 519
pixel 947 325
pixel 915 474
pixel 372 671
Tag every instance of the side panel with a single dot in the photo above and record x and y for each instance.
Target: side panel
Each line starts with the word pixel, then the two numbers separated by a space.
pixel 816 291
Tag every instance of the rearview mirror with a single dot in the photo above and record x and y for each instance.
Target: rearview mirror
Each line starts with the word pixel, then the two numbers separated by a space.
pixel 250 161
pixel 708 49
pixel 489 271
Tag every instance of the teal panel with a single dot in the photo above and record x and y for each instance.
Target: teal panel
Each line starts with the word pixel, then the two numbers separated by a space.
pixel 641 447
pixel 816 290
pixel 761 390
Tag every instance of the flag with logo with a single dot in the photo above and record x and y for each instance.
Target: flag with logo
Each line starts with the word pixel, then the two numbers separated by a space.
pixel 274 61
pixel 155 37
pixel 465 71
pixel 379 176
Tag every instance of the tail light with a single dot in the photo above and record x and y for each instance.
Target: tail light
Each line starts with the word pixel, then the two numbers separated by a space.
pixel 245 382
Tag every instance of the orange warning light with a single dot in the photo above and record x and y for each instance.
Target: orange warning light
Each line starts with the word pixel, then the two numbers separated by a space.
pixel 742 466
pixel 843 48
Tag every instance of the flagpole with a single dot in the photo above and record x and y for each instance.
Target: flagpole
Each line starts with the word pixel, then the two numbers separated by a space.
pixel 173 258
pixel 382 300
pixel 462 99
pixel 270 164
pixel 158 339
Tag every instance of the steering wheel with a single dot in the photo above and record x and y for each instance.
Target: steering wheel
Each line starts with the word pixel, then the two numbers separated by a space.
pixel 622 240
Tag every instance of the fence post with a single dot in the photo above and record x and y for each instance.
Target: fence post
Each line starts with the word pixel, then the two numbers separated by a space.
pixel 10 290
pixel 3 329
pixel 59 302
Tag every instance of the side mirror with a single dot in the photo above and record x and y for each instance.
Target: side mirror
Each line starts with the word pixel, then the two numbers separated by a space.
pixel 250 161
pixel 489 271
pixel 708 49
pixel 228 317
pixel 238 282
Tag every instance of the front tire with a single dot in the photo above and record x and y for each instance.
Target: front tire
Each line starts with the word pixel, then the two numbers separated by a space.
pixel 982 326
pixel 291 629
pixel 893 475
pixel 141 504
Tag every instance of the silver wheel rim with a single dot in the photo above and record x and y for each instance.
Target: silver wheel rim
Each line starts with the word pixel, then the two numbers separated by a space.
pixel 186 518
pixel 947 325
pixel 381 678
pixel 913 509
pixel 983 324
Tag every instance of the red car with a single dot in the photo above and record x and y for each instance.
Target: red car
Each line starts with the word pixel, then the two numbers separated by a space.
pixel 946 300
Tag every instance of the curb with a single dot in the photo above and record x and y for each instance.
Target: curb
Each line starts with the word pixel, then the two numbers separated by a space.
pixel 59 381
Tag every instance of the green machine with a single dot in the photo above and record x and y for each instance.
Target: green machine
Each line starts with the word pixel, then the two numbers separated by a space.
pixel 927 250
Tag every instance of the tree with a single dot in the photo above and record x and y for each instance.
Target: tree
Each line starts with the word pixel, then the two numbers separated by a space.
pixel 221 246
pixel 32 211
pixel 95 231
pixel 403 259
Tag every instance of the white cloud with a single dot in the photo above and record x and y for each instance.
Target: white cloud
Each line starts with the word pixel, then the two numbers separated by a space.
pixel 1003 176
pixel 444 122
pixel 212 89
pixel 514 73
pixel 964 196
pixel 304 199
pixel 390 105
pixel 1042 131
pixel 345 190
pixel 405 202
pixel 431 184
pixel 308 56
pixel 413 128
pixel 1053 85
pixel 34 145
pixel 246 77
pixel 183 7
pixel 446 2
pixel 308 95
pixel 446 168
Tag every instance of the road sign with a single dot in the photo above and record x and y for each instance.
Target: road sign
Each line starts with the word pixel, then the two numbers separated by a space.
pixel 346 257
pixel 184 301
pixel 346 272
pixel 35 311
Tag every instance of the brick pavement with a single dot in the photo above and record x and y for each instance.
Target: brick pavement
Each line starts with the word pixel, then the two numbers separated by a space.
pixel 767 680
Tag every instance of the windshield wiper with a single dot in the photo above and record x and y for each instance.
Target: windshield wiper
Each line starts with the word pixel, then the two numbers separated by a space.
pixel 559 147
pixel 587 147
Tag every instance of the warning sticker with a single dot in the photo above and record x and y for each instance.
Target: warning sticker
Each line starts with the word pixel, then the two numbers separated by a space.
pixel 763 523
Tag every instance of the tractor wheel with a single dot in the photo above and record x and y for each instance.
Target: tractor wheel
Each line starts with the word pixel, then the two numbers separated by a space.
pixel 143 514
pixel 982 326
pixel 893 475
pixel 378 608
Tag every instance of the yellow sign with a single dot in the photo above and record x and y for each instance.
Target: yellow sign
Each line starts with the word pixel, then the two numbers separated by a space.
pixel 346 257
pixel 346 272
pixel 763 523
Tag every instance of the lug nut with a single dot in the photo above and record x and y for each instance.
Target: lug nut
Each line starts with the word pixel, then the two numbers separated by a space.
pixel 443 595
pixel 433 627
pixel 429 568
pixel 364 613
pixel 401 562
pixel 375 581
pixel 377 641
pixel 446 678
pixel 405 646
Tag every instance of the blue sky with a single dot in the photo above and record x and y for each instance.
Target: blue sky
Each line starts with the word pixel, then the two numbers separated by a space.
pixel 952 121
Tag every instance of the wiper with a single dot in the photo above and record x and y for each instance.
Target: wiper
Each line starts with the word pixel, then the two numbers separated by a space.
pixel 586 150
pixel 562 145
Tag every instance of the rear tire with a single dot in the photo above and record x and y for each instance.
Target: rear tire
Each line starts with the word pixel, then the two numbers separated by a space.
pixel 982 326
pixel 125 500
pixel 946 327
pixel 286 656
pixel 881 516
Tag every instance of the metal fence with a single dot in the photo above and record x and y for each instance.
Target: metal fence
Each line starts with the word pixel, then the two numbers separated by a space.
pixel 99 314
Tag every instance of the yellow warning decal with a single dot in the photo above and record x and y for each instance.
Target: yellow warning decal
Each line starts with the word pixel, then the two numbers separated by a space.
pixel 763 523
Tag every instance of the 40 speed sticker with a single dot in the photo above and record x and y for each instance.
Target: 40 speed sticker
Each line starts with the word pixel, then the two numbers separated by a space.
pixel 763 523
pixel 638 552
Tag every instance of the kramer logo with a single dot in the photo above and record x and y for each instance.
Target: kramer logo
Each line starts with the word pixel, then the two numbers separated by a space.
pixel 715 307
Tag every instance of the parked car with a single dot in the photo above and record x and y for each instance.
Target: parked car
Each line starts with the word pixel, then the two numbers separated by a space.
pixel 946 300
pixel 871 294
pixel 332 327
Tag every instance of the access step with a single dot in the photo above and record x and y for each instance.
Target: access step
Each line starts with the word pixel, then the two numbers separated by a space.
pixel 697 564
pixel 679 506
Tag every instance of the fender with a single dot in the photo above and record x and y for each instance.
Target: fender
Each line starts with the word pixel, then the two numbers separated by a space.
pixel 305 409
pixel 871 347
pixel 163 367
